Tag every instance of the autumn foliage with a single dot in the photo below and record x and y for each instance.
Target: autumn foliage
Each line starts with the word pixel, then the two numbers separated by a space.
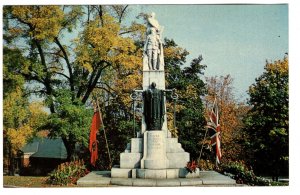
pixel 231 113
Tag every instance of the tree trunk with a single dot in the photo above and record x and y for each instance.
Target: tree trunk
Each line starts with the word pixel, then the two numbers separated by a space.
pixel 11 162
pixel 70 147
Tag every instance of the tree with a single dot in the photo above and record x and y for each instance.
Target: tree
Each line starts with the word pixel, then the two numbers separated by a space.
pixel 190 88
pixel 267 122
pixel 71 122
pixel 14 112
pixel 231 115
pixel 15 131
pixel 54 63
pixel 21 119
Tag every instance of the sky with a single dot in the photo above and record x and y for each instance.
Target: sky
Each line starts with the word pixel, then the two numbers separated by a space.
pixel 232 39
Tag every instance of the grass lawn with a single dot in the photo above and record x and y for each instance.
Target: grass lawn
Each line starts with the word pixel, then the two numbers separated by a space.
pixel 28 181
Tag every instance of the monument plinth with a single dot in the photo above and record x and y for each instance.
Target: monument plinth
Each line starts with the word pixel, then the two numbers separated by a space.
pixel 154 154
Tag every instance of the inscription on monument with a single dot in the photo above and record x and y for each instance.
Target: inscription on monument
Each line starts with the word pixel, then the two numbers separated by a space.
pixel 155 152
pixel 155 141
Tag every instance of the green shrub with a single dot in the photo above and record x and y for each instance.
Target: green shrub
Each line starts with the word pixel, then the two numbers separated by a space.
pixel 239 172
pixel 67 173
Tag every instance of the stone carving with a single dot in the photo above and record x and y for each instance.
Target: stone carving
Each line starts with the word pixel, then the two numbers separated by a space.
pixel 153 49
pixel 154 108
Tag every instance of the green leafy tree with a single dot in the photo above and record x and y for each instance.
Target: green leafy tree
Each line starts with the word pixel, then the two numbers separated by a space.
pixel 21 119
pixel 71 122
pixel 53 62
pixel 268 121
pixel 14 107
pixel 190 118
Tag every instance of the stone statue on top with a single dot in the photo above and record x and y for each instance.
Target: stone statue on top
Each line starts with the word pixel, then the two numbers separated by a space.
pixel 153 55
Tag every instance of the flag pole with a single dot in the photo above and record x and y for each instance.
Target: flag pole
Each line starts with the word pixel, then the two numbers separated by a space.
pixel 216 157
pixel 217 119
pixel 100 115
pixel 202 145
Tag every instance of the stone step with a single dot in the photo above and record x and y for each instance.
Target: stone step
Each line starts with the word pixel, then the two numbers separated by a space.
pixel 206 178
pixel 130 160
pixel 171 140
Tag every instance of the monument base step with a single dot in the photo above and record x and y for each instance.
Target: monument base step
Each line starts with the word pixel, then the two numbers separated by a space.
pixel 117 172
pixel 206 178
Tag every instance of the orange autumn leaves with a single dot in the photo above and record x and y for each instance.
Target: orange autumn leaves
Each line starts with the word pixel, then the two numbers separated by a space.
pixel 231 113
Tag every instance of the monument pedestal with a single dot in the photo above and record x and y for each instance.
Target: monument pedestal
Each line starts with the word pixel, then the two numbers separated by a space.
pixel 155 156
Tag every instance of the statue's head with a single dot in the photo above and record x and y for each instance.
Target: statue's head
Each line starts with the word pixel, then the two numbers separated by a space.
pixel 153 85
pixel 152 15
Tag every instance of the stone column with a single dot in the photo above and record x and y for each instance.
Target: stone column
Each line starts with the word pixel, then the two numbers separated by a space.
pixel 155 156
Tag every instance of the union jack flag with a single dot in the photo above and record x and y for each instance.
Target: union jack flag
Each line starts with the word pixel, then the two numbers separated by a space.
pixel 215 126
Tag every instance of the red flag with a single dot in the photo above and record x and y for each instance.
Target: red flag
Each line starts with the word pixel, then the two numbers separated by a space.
pixel 214 124
pixel 93 146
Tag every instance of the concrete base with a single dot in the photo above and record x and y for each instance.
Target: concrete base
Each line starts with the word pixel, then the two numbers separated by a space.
pixel 121 173
pixel 205 178
pixel 117 172
pixel 130 160
pixel 173 157
pixel 95 178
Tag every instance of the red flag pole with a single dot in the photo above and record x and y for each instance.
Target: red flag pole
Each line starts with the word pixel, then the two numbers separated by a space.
pixel 100 115
pixel 93 143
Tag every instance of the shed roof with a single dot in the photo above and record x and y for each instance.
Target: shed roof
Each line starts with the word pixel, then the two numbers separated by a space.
pixel 46 148
pixel 31 147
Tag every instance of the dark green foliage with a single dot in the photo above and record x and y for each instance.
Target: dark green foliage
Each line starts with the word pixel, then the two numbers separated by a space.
pixel 67 173
pixel 190 120
pixel 71 122
pixel 242 175
pixel 118 125
pixel 267 122
pixel 12 62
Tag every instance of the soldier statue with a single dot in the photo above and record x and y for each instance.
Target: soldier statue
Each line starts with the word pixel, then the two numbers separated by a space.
pixel 153 56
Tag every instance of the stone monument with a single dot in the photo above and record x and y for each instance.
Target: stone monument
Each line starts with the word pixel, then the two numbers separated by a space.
pixel 153 154
pixel 154 157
